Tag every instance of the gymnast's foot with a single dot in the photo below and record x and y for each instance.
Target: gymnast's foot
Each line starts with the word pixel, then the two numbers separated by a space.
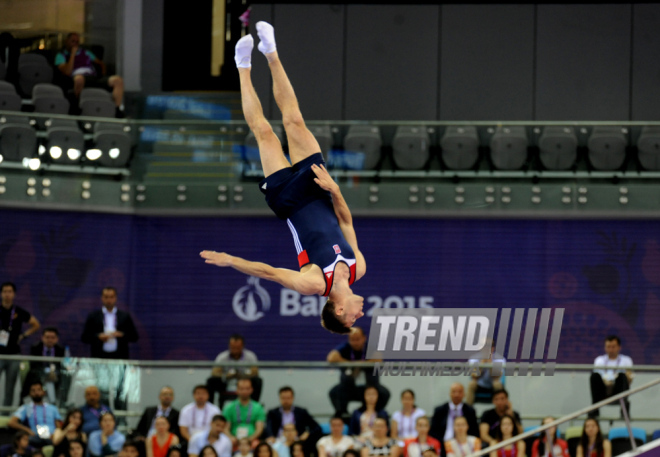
pixel 267 39
pixel 243 56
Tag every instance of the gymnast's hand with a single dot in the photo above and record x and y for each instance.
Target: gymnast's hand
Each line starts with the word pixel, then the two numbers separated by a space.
pixel 323 179
pixel 221 259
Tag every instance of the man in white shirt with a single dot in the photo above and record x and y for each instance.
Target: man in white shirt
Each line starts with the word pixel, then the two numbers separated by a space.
pixel 196 417
pixel 614 376
pixel 215 437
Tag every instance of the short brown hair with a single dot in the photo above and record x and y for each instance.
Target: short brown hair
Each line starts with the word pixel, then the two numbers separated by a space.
pixel 330 321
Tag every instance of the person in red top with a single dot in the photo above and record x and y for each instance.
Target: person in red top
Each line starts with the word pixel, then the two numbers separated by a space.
pixel 592 443
pixel 557 446
pixel 304 194
pixel 415 447
pixel 161 441
pixel 505 431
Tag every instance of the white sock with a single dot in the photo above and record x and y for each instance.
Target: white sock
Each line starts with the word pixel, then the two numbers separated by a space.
pixel 266 34
pixel 243 56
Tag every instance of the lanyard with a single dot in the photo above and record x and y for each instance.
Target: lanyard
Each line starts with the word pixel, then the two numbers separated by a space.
pixel 97 412
pixel 34 414
pixel 459 447
pixel 591 449
pixel 11 318
pixel 238 412
pixel 407 431
pixel 194 416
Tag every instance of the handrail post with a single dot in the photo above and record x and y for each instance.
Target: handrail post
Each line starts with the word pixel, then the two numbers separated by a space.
pixel 626 418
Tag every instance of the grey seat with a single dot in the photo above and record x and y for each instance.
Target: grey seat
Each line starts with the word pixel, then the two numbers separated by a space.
pixel 17 141
pixel 10 101
pixel 607 148
pixel 65 138
pixel 508 148
pixel 648 148
pixel 558 147
pixel 365 139
pixel 323 136
pixel 115 147
pixel 42 89
pixel 7 87
pixel 460 147
pixel 94 93
pixel 33 69
pixel 410 147
pixel 31 57
pixel 95 107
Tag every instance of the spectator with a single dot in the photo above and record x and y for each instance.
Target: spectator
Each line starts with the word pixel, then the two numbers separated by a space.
pixel 461 443
pixel 246 418
pixel 282 446
pixel 592 441
pixel 130 449
pixel 415 447
pixel 364 418
pixel 443 416
pixel 70 431
pixel 557 446
pixel 351 453
pixel 76 449
pixel 159 443
pixel 92 410
pixel 277 418
pixel 214 437
pixel 404 422
pixel 263 449
pixel 224 382
pixel 506 428
pixel 336 443
pixel 146 426
pixel 196 417
pixel 379 444
pixel 105 441
pixel 490 419
pixel 79 65
pixel 298 449
pixel 20 446
pixel 244 449
pixel 37 418
pixel 175 451
pixel 353 381
pixel 615 376
pixel 12 318
pixel 208 451
pixel 484 381
pixel 49 373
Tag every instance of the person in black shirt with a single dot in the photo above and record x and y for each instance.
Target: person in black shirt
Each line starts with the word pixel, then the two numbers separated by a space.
pixel 12 318
pixel 48 373
pixel 146 426
pixel 353 380
pixel 490 419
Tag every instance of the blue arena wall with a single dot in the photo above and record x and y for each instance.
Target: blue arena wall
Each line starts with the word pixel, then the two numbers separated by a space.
pixel 606 274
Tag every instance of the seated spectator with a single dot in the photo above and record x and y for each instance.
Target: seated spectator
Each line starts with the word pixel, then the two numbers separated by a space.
pixel 415 447
pixel 336 443
pixel 490 419
pixel 245 417
pixel 263 449
pixel 351 453
pixel 130 449
pixel 71 430
pixel 105 441
pixel 287 413
pixel 175 451
pixel 146 426
pixel 364 418
pixel 224 380
pixel 159 443
pixel 196 417
pixel 244 448
pixel 298 449
pixel 614 376
pixel 506 429
pixel 462 443
pixel 483 381
pixel 47 373
pixel 283 444
pixel 208 451
pixel 92 410
pixel 443 416
pixel 379 444
pixel 404 422
pixel 592 443
pixel 78 64
pixel 20 446
pixel 37 418
pixel 353 381
pixel 76 449
pixel 556 448
pixel 215 437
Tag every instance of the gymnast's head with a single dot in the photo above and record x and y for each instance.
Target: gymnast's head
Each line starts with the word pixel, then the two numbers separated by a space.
pixel 341 311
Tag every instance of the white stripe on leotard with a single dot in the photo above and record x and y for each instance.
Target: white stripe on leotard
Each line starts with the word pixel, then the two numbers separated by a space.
pixel 296 240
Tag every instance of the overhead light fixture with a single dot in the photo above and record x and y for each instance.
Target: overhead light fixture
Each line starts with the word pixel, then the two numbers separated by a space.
pixel 114 153
pixel 55 152
pixel 73 154
pixel 93 154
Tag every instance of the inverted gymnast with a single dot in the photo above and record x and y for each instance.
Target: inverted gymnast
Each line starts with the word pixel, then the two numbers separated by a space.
pixel 302 193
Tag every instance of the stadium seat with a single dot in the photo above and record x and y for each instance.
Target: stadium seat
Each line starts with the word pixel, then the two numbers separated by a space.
pixel 33 69
pixel 648 148
pixel 94 93
pixel 656 435
pixel 460 147
pixel 573 436
pixel 10 101
pixel 620 439
pixel 323 136
pixel 17 141
pixel 7 87
pixel 48 99
pixel 508 148
pixel 607 148
pixel 410 147
pixel 96 103
pixel 65 144
pixel 364 139
pixel 47 89
pixel 558 148
pixel 114 144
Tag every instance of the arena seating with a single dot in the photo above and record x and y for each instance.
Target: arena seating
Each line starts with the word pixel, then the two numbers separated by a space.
pixel 410 147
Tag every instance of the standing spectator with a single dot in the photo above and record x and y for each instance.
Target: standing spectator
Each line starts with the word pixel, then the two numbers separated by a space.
pixel 37 418
pixel 379 444
pixel 92 410
pixel 462 444
pixel 49 373
pixel 548 444
pixel 614 377
pixel 336 443
pixel 304 423
pixel 246 418
pixel 592 443
pixel 159 443
pixel 283 445
pixel 196 416
pixel 404 422
pixel 12 318
pixel 20 446
pixel 146 426
pixel 490 419
pixel 353 381
pixel 484 381
pixel 415 447
pixel 107 440
pixel 506 429
pixel 443 417
pixel 214 437
pixel 224 380
pixel 363 419
pixel 70 431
